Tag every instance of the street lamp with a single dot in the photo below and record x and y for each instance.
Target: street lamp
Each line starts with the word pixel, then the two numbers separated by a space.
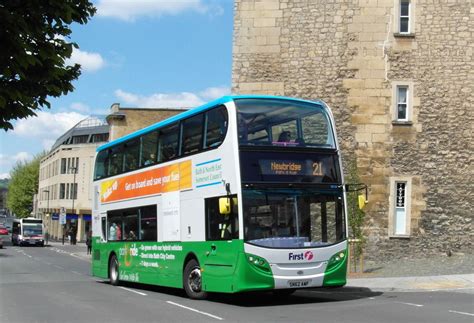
pixel 47 217
pixel 74 192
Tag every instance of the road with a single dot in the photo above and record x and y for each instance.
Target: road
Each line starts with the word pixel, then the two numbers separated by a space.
pixel 53 284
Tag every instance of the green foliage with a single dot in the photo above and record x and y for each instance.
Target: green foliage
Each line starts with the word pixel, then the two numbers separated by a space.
pixel 356 216
pixel 23 186
pixel 33 51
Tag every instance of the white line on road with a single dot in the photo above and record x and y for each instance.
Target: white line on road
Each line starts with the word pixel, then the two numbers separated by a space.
pixel 133 291
pixel 195 310
pixel 463 313
pixel 411 304
pixel 75 272
pixel 59 267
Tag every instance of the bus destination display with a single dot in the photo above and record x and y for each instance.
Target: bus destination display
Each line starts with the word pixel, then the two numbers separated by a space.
pixel 291 167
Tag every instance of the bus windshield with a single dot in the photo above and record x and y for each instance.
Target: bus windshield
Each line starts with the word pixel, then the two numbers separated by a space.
pixel 282 218
pixel 286 123
pixel 34 229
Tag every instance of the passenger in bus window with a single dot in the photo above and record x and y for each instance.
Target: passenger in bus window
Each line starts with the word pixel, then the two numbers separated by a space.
pixel 285 136
pixel 113 231
pixel 131 235
pixel 151 160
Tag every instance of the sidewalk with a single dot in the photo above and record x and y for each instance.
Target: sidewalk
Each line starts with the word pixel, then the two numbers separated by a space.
pixel 419 283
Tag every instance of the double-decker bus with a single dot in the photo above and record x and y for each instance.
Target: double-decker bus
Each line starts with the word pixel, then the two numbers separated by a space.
pixel 244 193
pixel 28 231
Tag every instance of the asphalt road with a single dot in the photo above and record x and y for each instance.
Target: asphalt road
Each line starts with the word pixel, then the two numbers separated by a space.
pixel 52 284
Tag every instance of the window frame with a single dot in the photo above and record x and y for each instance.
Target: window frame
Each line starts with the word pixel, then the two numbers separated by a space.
pixel 398 18
pixel 396 86
pixel 119 215
pixel 392 221
pixel 233 218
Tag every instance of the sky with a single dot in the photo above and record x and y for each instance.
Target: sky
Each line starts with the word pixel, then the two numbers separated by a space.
pixel 139 53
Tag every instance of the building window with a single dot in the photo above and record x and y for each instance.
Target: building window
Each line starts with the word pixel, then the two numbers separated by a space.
pixel 72 191
pixel 404 22
pixel 80 139
pixel 402 103
pixel 63 166
pixel 62 191
pixel 399 223
pixel 100 137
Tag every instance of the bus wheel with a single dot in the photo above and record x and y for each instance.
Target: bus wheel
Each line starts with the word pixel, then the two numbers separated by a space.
pixel 114 271
pixel 192 280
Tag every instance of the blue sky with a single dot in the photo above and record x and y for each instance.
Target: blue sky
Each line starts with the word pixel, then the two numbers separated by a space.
pixel 139 53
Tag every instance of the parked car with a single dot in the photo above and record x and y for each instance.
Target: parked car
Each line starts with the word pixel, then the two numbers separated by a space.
pixel 3 230
pixel 1 242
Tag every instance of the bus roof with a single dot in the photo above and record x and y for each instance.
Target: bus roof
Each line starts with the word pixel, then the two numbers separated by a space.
pixel 193 111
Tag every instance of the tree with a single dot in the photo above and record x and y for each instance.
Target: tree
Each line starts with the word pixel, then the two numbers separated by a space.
pixel 34 49
pixel 356 216
pixel 23 186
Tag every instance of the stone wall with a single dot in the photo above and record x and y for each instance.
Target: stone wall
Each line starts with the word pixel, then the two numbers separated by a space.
pixel 349 54
pixel 123 120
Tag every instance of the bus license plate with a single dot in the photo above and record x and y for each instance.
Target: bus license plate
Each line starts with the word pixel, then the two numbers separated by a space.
pixel 298 283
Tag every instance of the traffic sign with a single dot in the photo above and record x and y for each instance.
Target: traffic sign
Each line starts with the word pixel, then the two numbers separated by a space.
pixel 62 216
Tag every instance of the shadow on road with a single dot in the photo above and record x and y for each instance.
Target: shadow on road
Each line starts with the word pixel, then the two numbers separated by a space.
pixel 305 296
pixel 261 299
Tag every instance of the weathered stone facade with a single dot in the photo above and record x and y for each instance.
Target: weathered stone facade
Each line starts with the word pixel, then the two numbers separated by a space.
pixel 123 120
pixel 350 54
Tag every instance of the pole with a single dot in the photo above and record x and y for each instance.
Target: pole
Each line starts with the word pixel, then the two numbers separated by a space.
pixel 74 169
pixel 47 220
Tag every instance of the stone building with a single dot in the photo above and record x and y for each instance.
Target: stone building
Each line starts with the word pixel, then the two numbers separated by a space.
pixel 124 120
pixel 398 75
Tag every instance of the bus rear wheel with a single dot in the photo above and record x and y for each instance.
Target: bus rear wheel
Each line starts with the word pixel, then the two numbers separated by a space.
pixel 114 271
pixel 192 280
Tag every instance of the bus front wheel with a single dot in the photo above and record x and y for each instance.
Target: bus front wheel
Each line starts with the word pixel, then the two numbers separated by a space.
pixel 114 271
pixel 192 280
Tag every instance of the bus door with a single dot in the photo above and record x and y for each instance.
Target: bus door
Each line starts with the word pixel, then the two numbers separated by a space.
pixel 222 242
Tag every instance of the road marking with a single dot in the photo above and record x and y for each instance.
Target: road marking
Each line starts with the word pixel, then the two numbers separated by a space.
pixel 75 272
pixel 133 291
pixel 195 310
pixel 463 313
pixel 59 267
pixel 411 304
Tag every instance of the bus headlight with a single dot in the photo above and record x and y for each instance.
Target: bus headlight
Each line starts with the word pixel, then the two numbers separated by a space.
pixel 336 259
pixel 258 262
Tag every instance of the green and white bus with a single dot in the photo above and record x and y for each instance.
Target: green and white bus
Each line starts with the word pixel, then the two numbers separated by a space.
pixel 244 193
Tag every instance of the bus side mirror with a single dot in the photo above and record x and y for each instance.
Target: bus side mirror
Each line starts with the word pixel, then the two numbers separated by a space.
pixel 224 205
pixel 362 201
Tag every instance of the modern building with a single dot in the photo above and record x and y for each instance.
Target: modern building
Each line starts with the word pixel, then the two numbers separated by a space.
pixel 65 178
pixel 65 183
pixel 398 75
